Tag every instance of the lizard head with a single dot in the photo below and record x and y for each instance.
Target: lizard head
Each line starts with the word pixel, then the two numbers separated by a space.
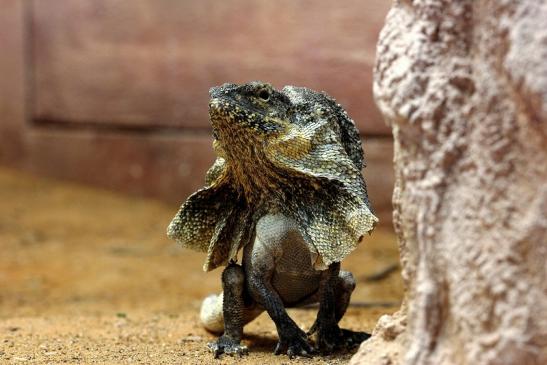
pixel 247 114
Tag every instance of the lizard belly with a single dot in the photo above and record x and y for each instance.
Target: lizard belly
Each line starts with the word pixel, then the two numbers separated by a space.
pixel 279 243
pixel 294 278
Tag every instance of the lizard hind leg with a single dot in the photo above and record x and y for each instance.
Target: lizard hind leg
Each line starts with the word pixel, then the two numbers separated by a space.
pixel 330 337
pixel 344 288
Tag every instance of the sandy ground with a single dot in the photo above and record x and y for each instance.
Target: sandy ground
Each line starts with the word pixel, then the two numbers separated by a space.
pixel 88 276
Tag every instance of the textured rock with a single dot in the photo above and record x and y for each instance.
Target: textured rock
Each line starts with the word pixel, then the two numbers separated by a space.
pixel 463 85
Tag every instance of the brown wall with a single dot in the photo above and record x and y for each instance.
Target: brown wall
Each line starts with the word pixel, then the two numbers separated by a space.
pixel 114 93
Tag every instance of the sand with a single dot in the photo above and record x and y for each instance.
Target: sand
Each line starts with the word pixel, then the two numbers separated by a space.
pixel 88 277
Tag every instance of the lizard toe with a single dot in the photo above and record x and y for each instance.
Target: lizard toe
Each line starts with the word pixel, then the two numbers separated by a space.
pixel 228 346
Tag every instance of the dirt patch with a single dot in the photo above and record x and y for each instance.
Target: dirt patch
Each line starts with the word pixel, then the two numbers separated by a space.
pixel 87 276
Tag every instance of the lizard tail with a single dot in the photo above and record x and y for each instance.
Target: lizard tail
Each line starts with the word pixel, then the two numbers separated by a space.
pixel 211 313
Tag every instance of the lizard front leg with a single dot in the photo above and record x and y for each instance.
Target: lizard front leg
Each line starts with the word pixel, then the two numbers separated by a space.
pixel 335 291
pixel 291 338
pixel 233 284
pixel 260 267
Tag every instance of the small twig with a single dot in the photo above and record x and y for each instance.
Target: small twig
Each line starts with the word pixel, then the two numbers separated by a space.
pixel 374 304
pixel 381 274
pixel 361 304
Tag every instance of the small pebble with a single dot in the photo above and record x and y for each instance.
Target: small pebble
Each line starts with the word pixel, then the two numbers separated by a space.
pixel 191 339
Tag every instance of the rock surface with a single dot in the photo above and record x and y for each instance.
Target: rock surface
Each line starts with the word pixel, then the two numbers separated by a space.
pixel 463 85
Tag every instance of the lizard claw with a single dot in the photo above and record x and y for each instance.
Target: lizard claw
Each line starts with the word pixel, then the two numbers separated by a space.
pixel 226 345
pixel 313 329
pixel 293 352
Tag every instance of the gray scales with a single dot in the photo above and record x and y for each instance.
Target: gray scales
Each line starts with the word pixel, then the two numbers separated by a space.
pixel 286 189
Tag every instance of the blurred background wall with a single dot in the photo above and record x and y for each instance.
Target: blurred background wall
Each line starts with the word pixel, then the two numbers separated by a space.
pixel 114 93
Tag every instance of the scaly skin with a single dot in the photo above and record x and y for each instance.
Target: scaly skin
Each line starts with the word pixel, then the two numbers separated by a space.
pixel 287 189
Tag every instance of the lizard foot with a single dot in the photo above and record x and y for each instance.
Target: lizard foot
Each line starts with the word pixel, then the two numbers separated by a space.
pixel 295 344
pixel 353 339
pixel 226 345
pixel 332 338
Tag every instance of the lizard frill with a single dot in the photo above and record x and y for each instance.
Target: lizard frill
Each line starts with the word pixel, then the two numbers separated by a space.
pixel 334 214
pixel 214 220
pixel 319 152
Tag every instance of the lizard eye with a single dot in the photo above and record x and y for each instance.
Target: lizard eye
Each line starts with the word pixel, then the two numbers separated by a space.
pixel 264 95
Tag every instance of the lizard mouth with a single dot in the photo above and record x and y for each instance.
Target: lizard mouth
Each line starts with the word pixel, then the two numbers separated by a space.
pixel 218 115
pixel 226 115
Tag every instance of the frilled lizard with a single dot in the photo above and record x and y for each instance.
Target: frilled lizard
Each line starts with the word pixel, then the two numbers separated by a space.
pixel 287 191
